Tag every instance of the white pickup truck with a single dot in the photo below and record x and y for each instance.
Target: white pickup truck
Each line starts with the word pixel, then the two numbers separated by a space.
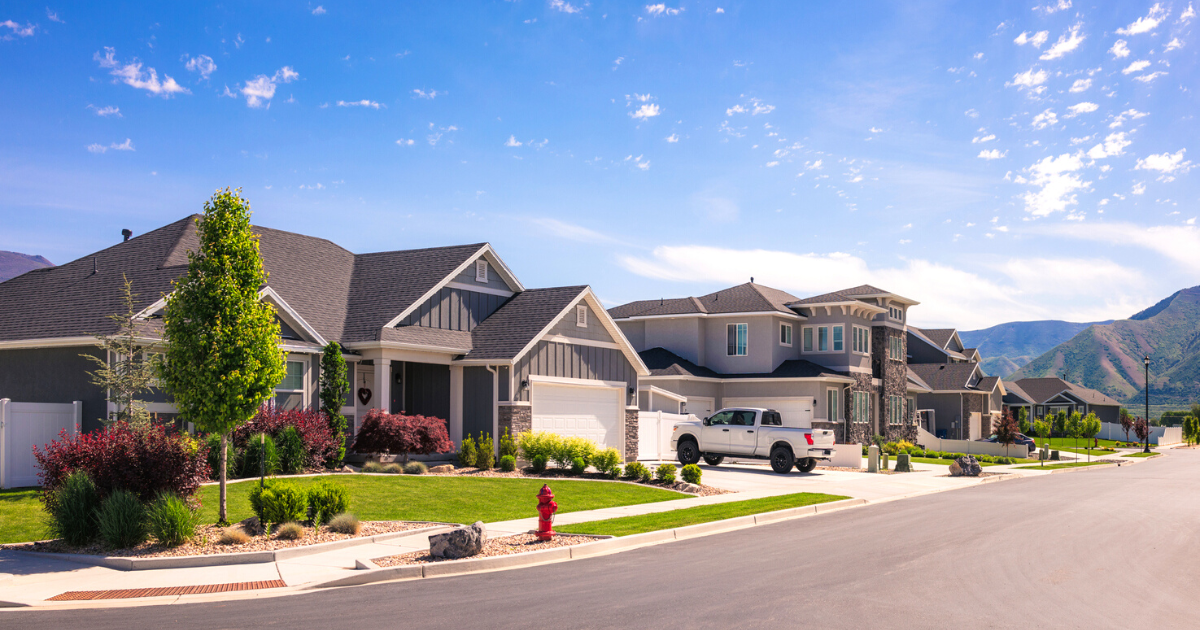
pixel 751 433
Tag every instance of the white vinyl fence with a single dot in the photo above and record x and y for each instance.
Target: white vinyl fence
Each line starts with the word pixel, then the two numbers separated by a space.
pixel 25 425
pixel 654 434
pixel 1158 435
pixel 969 447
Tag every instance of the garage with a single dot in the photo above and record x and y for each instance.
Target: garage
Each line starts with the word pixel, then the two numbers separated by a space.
pixel 796 412
pixel 595 413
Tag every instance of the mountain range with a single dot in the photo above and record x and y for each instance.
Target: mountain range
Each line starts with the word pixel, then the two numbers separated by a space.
pixel 13 264
pixel 1005 348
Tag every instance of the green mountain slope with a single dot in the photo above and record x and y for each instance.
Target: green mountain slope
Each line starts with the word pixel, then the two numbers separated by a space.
pixel 1108 357
pixel 1006 347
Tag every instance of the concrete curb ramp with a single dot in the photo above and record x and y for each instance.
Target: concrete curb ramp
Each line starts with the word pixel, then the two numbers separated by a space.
pixel 609 545
pixel 223 559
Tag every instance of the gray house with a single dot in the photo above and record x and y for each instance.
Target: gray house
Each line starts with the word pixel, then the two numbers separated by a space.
pixel 833 361
pixel 1047 396
pixel 448 332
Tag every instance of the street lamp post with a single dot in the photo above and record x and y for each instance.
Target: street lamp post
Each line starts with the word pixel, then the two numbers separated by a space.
pixel 1146 362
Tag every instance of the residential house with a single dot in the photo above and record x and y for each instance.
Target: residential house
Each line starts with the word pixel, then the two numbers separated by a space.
pixel 1043 397
pixel 447 332
pixel 962 401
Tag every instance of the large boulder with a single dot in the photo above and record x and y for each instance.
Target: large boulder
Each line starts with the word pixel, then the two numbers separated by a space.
pixel 463 542
pixel 444 468
pixel 965 466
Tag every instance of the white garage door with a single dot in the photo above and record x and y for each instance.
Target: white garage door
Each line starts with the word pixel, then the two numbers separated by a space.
pixel 595 413
pixel 796 412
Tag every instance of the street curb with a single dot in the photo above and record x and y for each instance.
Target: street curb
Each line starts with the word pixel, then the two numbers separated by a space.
pixel 224 559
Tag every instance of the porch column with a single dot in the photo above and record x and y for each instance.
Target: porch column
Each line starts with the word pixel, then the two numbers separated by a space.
pixel 456 403
pixel 383 384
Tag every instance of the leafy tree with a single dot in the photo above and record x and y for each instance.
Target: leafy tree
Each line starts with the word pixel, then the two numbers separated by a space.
pixel 1191 426
pixel 1126 422
pixel 1141 429
pixel 1023 419
pixel 1042 429
pixel 1060 423
pixel 333 395
pixel 223 358
pixel 1088 428
pixel 1006 431
pixel 130 372
pixel 1074 427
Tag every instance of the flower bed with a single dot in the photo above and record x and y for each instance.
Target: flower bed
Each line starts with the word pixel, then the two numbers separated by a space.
pixel 503 546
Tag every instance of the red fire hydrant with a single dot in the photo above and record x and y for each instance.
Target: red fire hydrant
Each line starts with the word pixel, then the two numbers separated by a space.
pixel 546 509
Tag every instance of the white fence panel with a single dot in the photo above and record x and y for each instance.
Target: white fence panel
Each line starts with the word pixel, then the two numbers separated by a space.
pixel 654 434
pixel 970 447
pixel 25 425
pixel 1158 435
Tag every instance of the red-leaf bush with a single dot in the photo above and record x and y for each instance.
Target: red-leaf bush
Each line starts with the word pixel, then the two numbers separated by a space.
pixel 383 432
pixel 313 426
pixel 144 462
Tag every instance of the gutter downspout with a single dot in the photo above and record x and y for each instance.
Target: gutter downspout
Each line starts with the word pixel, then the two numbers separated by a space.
pixel 495 409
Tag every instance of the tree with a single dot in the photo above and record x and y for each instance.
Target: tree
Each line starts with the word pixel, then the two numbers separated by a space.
pixel 1089 427
pixel 1191 428
pixel 223 358
pixel 333 394
pixel 1023 419
pixel 124 369
pixel 1060 423
pixel 1141 429
pixel 1042 429
pixel 1074 427
pixel 1126 422
pixel 1006 431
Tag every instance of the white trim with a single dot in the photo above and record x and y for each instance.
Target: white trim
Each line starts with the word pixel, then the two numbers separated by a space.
pixel 876 382
pixel 741 314
pixel 298 321
pixel 481 277
pixel 58 342
pixel 781 379
pixel 737 326
pixel 582 342
pixel 658 391
pixel 462 286
pixel 152 309
pixel 610 326
pixel 576 382
pixel 857 369
pixel 397 345
pixel 791 334
pixel 505 275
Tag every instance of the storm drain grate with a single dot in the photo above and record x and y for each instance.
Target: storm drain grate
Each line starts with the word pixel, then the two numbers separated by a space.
pixel 130 593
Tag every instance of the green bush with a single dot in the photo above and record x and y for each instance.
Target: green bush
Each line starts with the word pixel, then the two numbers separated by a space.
pixel 278 502
pixel 508 463
pixel 507 446
pixel 72 508
pixel 256 446
pixel 485 456
pixel 372 467
pixel 171 520
pixel 945 455
pixel 466 452
pixel 691 473
pixel 290 531
pixel 575 447
pixel 534 443
pixel 614 472
pixel 578 465
pixel 645 475
pixel 393 469
pixel 605 460
pixel 122 520
pixel 214 457
pixel 344 524
pixel 292 453
pixel 538 463
pixel 635 470
pixel 665 473
pixel 325 499
pixel 415 468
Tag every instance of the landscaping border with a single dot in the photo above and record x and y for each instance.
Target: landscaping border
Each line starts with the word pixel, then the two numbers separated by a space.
pixel 123 563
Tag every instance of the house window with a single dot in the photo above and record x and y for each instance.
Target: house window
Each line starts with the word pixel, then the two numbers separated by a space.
pixel 481 270
pixel 862 340
pixel 911 411
pixel 832 403
pixel 838 343
pixel 737 334
pixel 860 408
pixel 896 348
pixel 808 339
pixel 785 334
pixel 293 380
pixel 823 339
pixel 895 410
pixel 581 316
pixel 896 313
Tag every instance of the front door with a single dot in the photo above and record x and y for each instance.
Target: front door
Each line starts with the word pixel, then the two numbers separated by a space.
pixel 715 436
pixel 742 436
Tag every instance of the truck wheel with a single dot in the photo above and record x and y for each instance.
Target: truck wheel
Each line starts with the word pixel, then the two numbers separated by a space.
pixel 806 465
pixel 713 460
pixel 688 452
pixel 782 459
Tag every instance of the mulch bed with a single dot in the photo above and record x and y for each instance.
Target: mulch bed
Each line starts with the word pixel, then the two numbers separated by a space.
pixel 207 542
pixel 503 546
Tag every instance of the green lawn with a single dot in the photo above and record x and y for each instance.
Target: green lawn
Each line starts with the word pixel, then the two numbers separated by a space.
pixel 21 516
pixel 1150 454
pixel 628 525
pixel 1085 451
pixel 1060 443
pixel 947 462
pixel 1059 465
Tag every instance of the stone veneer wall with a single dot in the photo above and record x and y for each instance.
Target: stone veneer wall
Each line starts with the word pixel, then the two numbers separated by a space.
pixel 860 432
pixel 516 418
pixel 631 435
pixel 894 377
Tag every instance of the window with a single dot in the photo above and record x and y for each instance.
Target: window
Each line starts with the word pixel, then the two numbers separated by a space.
pixel 823 338
pixel 772 419
pixel 481 270
pixel 581 316
pixel 722 418
pixel 737 334
pixel 895 410
pixel 862 340
pixel 896 313
pixel 838 344
pixel 294 379
pixel 911 410
pixel 808 340
pixel 743 419
pixel 860 409
pixel 896 348
pixel 832 403
pixel 785 334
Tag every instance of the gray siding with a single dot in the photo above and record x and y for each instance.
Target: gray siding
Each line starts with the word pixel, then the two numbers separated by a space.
pixel 947 409
pixel 594 330
pixel 504 382
pixel 454 309
pixel 53 375
pixel 426 390
pixel 494 280
pixel 575 361
pixel 635 332
pixel 477 401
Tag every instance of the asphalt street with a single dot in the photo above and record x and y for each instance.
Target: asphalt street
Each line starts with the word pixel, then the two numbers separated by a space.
pixel 1104 548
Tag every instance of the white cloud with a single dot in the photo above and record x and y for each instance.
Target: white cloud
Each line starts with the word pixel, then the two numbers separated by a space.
pixel 1045 119
pixel 1054 7
pixel 566 7
pixel 1081 85
pixel 1176 243
pixel 646 111
pixel 814 166
pixel 406 142
pixel 100 148
pixel 1130 114
pixel 662 9
pixel 1114 144
pixel 980 139
pixel 1057 182
pixel 202 64
pixel 876 130
pixel 978 56
pixel 1165 163
pixel 131 74
pixel 1146 24
pixel 719 10
pixel 754 107
pixel 1082 108
pixel 53 16
pixel 18 30
pixel 673 138
pixel 773 164
pixel 1119 50
pixel 1136 66
pixel 1139 188
pixel 570 231
pixel 1187 14
pixel 362 103
pixel 513 142
pixel 106 111
pixel 430 95
pixel 261 89
pixel 994 154
pixel 1034 39
pixel 1028 79
pixel 1066 43
pixel 320 10
pixel 1174 44
pixel 1146 78
pixel 971 113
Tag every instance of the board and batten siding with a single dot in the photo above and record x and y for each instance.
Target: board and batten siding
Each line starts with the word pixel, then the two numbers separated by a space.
pixel 53 375
pixel 477 401
pixel 454 309
pixel 594 330
pixel 568 360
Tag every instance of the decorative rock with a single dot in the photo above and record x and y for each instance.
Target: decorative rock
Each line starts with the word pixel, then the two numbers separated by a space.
pixel 903 463
pixel 684 486
pixel 444 468
pixel 252 526
pixel 463 542
pixel 965 466
pixel 955 469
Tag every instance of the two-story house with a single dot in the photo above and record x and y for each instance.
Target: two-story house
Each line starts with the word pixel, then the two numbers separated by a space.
pixel 833 361
pixel 962 401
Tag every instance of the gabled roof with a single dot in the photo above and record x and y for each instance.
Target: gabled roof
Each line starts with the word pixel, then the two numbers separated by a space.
pixel 989 384
pixel 743 298
pixel 1040 390
pixel 1016 395
pixel 860 293
pixel 939 336
pixel 916 382
pixel 505 333
pixel 952 377
pixel 663 362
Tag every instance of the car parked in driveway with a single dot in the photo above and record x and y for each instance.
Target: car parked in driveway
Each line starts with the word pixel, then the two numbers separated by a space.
pixel 751 433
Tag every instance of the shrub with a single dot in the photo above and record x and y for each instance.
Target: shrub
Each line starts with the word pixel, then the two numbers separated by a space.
pixel 325 499
pixel 372 467
pixel 344 524
pixel 467 452
pixel 290 531
pixel 635 470
pixel 485 455
pixel 415 468
pixel 292 456
pixel 383 432
pixel 691 473
pixel 569 448
pixel 539 463
pixel 171 520
pixel 903 445
pixel 143 462
pixel 508 463
pixel 320 444
pixel 945 455
pixel 665 473
pixel 278 502
pixel 260 448
pixel 213 443
pixel 534 443
pixel 578 465
pixel 865 450
pixel 393 469
pixel 234 536
pixel 507 446
pixel 644 475
pixel 122 520
pixel 72 508
pixel 606 459
pixel 614 472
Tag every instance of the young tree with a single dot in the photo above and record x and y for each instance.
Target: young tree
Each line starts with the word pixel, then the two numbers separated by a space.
pixel 123 368
pixel 1074 427
pixel 1126 422
pixel 1006 431
pixel 1042 429
pixel 223 358
pixel 1060 423
pixel 1141 429
pixel 333 394
pixel 1089 427
pixel 1023 419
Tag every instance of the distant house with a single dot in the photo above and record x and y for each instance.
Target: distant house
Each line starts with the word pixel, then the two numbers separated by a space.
pixel 1042 397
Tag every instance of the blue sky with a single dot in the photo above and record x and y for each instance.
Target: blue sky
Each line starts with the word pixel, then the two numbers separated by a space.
pixel 995 161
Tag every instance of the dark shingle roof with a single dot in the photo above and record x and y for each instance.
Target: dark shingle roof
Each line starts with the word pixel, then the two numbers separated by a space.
pixel 825 298
pixel 940 336
pixel 1015 393
pixel 917 380
pixel 864 289
pixel 1039 390
pixel 663 362
pixel 420 335
pixel 945 376
pixel 507 331
pixel 987 383
pixel 743 298
pixel 647 308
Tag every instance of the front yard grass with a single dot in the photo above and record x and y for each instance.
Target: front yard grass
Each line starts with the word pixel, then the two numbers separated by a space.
pixel 1062 465
pixel 21 516
pixel 947 462
pixel 1150 454
pixel 628 525
pixel 1061 443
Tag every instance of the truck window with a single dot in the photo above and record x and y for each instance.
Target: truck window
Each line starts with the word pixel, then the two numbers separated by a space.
pixel 743 418
pixel 722 417
pixel 772 418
